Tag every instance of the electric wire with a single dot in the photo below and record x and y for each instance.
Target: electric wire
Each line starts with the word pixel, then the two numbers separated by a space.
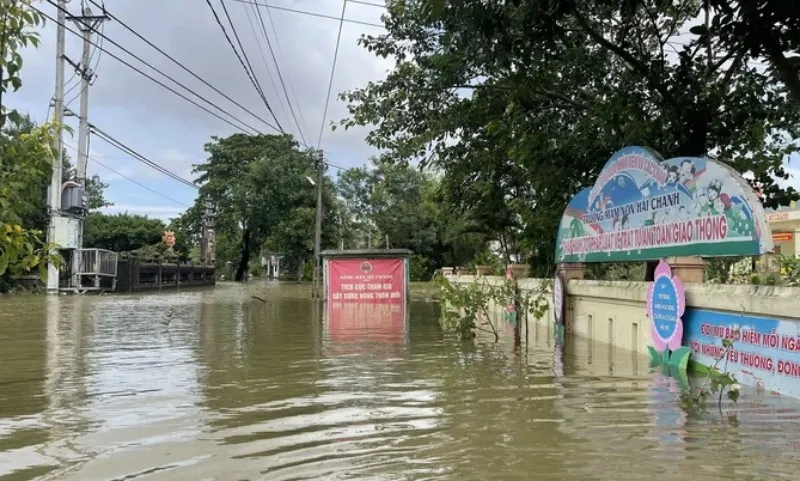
pixel 241 61
pixel 333 71
pixel 278 70
pixel 124 148
pixel 153 79
pixel 280 54
pixel 96 50
pixel 246 58
pixel 266 64
pixel 134 181
pixel 312 14
pixel 181 65
pixel 369 4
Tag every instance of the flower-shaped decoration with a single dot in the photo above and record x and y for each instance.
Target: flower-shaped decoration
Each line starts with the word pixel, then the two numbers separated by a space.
pixel 666 302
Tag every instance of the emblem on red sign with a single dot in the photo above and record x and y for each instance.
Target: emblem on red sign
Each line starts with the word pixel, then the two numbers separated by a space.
pixel 366 267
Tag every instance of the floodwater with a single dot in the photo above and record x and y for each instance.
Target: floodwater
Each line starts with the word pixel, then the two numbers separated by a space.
pixel 215 385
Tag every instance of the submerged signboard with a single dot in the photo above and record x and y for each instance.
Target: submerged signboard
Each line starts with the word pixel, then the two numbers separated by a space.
pixel 366 280
pixel 765 352
pixel 366 298
pixel 646 208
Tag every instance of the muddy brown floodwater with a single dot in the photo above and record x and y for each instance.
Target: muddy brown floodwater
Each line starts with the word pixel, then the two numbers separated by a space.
pixel 227 388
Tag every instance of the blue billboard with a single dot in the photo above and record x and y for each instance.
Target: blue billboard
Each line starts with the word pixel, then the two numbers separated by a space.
pixel 765 352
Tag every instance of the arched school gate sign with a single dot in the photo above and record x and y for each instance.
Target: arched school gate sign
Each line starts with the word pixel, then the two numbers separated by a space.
pixel 643 207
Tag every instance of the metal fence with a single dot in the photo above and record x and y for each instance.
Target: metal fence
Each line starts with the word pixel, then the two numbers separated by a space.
pixel 98 262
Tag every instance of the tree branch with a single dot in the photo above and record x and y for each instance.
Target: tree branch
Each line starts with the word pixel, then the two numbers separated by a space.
pixel 545 92
pixel 626 56
pixel 721 61
pixel 654 20
pixel 784 69
pixel 737 62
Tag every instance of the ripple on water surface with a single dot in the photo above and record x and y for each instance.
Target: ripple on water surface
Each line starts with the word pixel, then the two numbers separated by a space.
pixel 225 388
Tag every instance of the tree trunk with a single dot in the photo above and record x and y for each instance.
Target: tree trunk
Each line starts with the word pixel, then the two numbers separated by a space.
pixel 300 264
pixel 650 271
pixel 241 270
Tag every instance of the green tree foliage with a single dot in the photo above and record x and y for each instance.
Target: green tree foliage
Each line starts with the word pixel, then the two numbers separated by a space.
pixel 187 228
pixel 31 199
pixel 757 29
pixel 406 205
pixel 122 232
pixel 520 103
pixel 25 162
pixel 17 19
pixel 260 187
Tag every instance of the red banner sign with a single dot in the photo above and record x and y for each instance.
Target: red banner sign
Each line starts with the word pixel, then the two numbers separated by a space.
pixel 376 280
pixel 782 236
pixel 357 321
pixel 366 299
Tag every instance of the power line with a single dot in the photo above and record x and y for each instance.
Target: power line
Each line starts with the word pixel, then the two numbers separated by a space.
pixel 141 158
pixel 369 4
pixel 150 77
pixel 93 159
pixel 182 66
pixel 280 54
pixel 278 69
pixel 265 62
pixel 241 61
pixel 95 50
pixel 312 14
pixel 247 59
pixel 335 166
pixel 333 70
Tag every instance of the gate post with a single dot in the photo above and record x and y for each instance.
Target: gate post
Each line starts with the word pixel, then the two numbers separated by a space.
pixel 568 271
pixel 688 269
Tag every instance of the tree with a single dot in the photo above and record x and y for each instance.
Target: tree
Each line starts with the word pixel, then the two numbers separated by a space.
pixel 520 104
pixel 31 200
pixel 188 229
pixel 757 29
pixel 122 232
pixel 354 188
pixel 406 206
pixel 259 182
pixel 95 193
pixel 26 161
pixel 16 19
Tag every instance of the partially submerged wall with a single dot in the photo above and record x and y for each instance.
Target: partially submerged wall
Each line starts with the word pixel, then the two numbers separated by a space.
pixel 766 353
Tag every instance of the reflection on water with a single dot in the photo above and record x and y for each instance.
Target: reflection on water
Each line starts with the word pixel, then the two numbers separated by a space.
pixel 230 388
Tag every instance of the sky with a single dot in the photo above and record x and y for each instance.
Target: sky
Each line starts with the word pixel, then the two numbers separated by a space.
pixel 169 130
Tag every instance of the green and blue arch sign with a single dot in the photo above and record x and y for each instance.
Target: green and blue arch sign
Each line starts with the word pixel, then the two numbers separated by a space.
pixel 643 207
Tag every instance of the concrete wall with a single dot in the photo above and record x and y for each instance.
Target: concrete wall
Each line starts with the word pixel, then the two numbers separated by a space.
pixel 614 312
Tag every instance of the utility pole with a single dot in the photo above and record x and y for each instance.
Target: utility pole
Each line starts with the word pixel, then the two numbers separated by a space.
pixel 87 23
pixel 207 240
pixel 315 290
pixel 54 201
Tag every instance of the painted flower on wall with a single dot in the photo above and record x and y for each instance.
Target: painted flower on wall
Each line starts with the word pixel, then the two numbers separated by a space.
pixel 666 303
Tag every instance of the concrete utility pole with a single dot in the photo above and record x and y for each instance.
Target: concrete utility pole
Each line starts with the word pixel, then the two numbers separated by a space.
pixel 207 240
pixel 54 200
pixel 87 23
pixel 315 291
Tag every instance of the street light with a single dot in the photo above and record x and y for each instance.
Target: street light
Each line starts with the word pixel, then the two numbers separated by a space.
pixel 310 180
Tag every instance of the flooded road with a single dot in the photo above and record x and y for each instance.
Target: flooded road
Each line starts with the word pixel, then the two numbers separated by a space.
pixel 213 385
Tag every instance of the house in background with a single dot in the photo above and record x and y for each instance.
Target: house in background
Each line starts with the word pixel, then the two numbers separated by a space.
pixel 785 225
